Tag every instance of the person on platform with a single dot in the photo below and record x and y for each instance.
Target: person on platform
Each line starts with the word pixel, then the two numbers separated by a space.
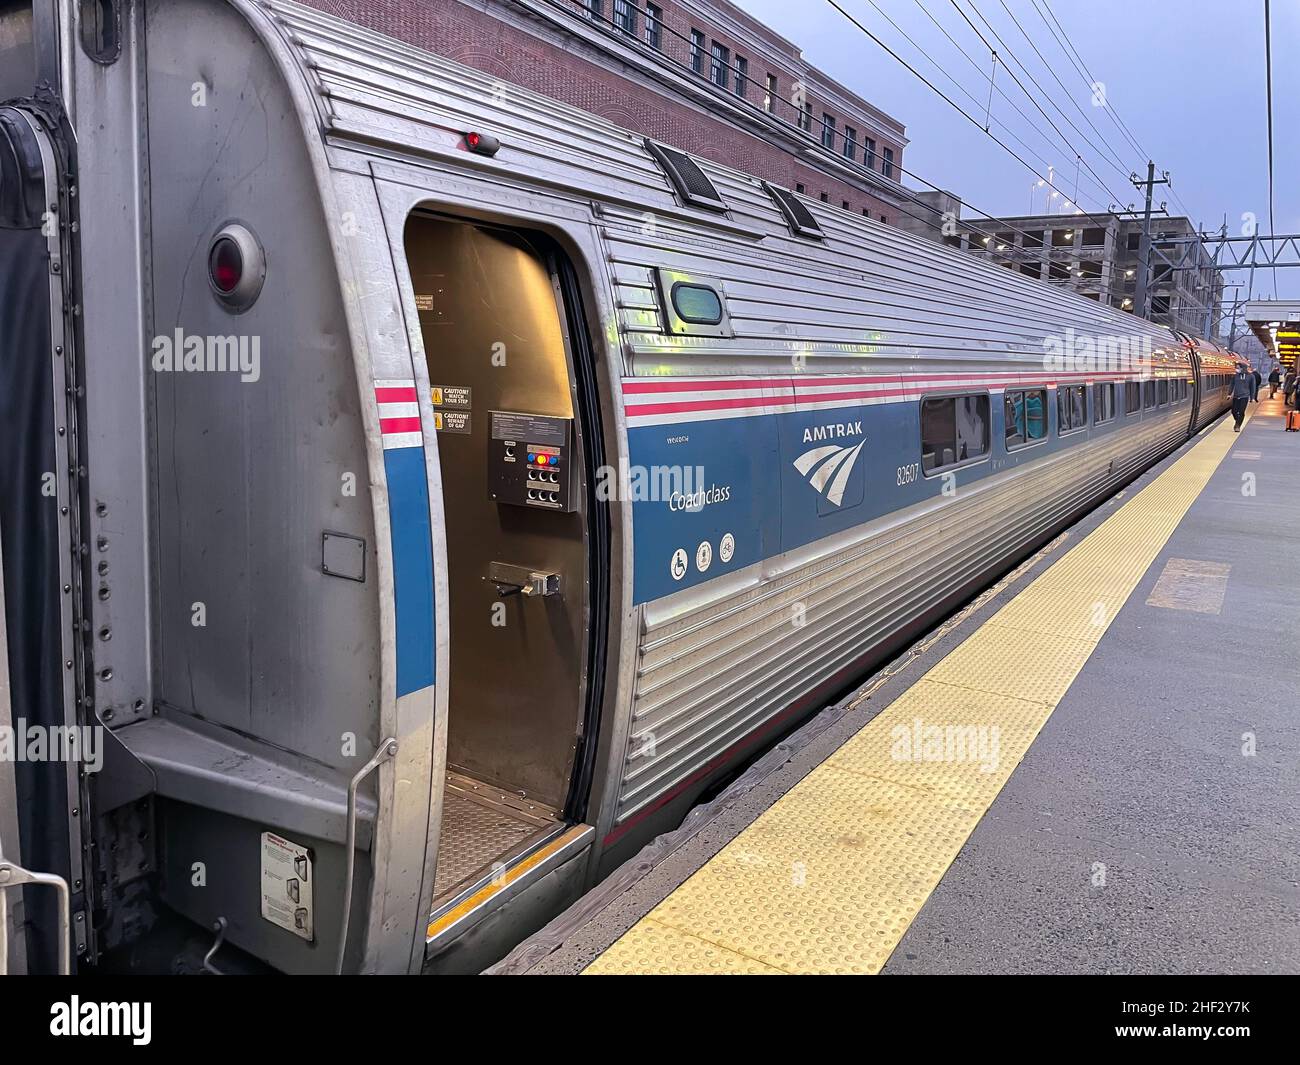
pixel 1243 387
pixel 1259 380
pixel 1274 379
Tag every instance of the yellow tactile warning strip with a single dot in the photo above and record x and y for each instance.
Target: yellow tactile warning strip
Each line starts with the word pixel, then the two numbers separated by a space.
pixel 829 878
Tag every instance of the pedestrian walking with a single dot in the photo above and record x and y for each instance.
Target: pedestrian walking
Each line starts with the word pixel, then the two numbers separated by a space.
pixel 1243 385
pixel 1274 379
pixel 1259 380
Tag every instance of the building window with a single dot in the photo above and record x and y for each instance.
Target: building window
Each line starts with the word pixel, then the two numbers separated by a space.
pixel 654 26
pixel 742 74
pixel 697 51
pixel 1134 241
pixel 850 142
pixel 954 429
pixel 770 94
pixel 1032 270
pixel 885 219
pixel 828 131
pixel 799 188
pixel 720 65
pixel 591 8
pixel 805 118
pixel 844 204
pixel 869 153
pixel 625 16
pixel 826 197
pixel 1032 238
pixel 887 166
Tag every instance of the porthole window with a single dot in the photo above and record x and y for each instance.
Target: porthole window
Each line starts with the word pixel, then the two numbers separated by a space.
pixel 697 304
pixel 101 30
pixel 692 305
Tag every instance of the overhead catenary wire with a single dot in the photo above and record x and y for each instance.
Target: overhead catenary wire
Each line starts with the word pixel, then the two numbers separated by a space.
pixel 1076 60
pixel 927 219
pixel 957 107
pixel 1030 96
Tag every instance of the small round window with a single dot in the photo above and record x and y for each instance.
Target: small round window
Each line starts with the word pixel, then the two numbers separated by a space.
pixel 697 304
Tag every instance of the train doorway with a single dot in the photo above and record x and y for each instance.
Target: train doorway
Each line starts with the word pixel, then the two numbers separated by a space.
pixel 524 557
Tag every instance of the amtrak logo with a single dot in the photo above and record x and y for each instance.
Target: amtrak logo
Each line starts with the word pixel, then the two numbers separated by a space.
pixel 828 468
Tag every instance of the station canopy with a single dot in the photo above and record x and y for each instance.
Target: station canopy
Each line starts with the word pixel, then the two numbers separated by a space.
pixel 1277 325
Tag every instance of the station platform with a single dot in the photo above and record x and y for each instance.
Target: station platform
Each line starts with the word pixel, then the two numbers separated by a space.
pixel 1092 768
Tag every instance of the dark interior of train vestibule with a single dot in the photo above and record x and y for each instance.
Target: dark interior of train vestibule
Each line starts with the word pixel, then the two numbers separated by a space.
pixel 510 449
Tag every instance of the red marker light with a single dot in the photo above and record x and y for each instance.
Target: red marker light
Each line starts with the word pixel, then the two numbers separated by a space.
pixel 482 143
pixel 225 266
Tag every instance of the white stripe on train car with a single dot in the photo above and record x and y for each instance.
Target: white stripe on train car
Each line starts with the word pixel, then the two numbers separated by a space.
pixel 399 414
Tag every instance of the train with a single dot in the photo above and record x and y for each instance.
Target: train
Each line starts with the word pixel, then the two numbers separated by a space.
pixel 417 493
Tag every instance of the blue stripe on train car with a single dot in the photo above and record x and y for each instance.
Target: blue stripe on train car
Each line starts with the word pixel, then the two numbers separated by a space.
pixel 775 482
pixel 408 513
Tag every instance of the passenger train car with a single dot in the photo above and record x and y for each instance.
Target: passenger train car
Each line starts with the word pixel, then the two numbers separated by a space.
pixel 419 493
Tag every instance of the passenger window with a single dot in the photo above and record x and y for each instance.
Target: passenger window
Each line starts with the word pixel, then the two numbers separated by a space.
pixel 1071 408
pixel 697 304
pixel 1103 403
pixel 1149 394
pixel 1163 391
pixel 954 429
pixel 1026 417
pixel 1132 397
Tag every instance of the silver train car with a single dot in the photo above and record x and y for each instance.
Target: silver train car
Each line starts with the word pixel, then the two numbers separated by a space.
pixel 416 493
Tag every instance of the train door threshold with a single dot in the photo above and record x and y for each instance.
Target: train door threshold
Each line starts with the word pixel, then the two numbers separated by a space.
pixel 493 846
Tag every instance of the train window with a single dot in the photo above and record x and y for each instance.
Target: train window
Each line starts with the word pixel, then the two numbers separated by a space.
pixel 1162 390
pixel 954 429
pixel 692 305
pixel 1132 397
pixel 697 304
pixel 1103 403
pixel 1149 395
pixel 1071 408
pixel 1026 417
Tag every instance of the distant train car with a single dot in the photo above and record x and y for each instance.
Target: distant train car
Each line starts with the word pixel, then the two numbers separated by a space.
pixel 416 493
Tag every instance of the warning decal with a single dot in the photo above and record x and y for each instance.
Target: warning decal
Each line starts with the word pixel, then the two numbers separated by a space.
pixel 287 885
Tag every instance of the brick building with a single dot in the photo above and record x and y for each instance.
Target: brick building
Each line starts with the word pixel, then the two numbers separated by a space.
pixel 701 75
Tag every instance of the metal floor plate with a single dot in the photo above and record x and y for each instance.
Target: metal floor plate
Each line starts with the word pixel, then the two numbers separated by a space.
pixel 473 837
pixel 829 878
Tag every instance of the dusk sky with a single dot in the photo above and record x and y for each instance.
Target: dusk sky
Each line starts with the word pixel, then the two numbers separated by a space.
pixel 1185 76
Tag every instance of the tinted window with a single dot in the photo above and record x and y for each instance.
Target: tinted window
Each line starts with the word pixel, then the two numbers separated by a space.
pixel 1132 397
pixel 1148 394
pixel 954 429
pixel 1103 403
pixel 1071 407
pixel 1026 417
pixel 1162 390
pixel 697 304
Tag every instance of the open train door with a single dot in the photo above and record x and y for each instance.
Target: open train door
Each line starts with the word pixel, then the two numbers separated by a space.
pixel 40 549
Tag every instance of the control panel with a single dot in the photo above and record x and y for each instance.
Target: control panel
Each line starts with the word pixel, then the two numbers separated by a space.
pixel 529 461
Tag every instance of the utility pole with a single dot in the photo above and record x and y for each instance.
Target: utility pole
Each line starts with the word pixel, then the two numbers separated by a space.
pixel 1144 247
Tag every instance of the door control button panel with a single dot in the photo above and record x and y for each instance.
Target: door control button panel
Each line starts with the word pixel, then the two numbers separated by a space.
pixel 529 461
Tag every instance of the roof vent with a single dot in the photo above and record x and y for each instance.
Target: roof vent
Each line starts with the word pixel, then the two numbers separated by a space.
pixel 692 183
pixel 797 216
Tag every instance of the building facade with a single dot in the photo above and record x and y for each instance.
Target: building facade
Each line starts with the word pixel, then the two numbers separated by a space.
pixel 701 75
pixel 1099 256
